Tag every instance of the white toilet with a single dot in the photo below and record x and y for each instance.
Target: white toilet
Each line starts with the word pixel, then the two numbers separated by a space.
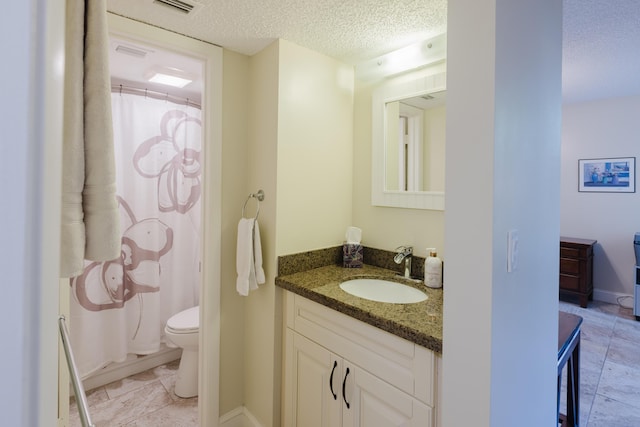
pixel 183 330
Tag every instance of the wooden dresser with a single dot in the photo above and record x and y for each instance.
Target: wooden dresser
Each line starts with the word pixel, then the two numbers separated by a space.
pixel 576 268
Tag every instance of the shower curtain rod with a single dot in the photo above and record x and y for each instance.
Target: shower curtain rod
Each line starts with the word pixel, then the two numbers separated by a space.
pixel 119 88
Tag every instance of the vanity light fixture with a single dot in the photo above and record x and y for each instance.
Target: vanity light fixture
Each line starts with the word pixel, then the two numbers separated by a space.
pixel 169 76
pixel 414 56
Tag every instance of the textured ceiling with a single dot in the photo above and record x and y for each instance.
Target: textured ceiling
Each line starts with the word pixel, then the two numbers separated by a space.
pixel 601 48
pixel 349 30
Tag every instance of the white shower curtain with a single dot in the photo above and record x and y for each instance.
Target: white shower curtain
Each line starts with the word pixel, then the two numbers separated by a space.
pixel 120 307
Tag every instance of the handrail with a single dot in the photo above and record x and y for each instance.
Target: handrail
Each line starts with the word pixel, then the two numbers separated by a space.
pixel 78 389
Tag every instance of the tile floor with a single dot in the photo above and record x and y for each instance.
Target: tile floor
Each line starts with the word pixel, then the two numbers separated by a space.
pixel 142 400
pixel 609 365
pixel 609 380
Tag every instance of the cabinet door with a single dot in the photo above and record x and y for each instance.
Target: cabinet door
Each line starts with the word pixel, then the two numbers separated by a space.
pixel 374 403
pixel 313 380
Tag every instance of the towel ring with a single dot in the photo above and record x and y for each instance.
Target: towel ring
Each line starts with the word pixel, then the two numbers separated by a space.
pixel 259 196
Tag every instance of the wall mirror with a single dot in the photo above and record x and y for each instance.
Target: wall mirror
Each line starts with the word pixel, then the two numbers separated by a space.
pixel 408 125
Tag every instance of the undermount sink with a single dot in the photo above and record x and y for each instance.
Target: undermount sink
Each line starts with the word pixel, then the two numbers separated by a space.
pixel 383 291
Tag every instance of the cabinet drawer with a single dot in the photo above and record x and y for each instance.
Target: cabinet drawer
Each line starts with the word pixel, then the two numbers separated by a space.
pixel 582 252
pixel 571 253
pixel 569 266
pixel 569 282
pixel 376 403
pixel 403 364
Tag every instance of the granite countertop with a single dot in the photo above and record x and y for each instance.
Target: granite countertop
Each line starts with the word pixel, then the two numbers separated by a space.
pixel 420 323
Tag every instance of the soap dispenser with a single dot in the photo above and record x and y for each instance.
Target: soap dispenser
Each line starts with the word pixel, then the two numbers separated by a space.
pixel 433 269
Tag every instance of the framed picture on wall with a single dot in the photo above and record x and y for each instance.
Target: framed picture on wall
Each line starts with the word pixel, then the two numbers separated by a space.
pixel 607 175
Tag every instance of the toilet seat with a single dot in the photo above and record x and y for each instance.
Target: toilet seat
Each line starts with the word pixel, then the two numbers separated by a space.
pixel 185 322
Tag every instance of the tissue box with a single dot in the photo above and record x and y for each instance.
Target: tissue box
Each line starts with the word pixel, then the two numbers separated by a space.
pixel 352 255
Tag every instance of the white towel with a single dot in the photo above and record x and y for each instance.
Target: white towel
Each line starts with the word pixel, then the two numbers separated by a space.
pixel 248 257
pixel 257 253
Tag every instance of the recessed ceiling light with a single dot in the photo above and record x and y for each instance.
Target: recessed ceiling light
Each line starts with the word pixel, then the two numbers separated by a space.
pixel 169 76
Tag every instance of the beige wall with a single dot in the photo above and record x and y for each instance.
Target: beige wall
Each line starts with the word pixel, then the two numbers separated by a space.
pixel 315 150
pixel 235 96
pixel 300 153
pixel 382 227
pixel 261 315
pixel 291 131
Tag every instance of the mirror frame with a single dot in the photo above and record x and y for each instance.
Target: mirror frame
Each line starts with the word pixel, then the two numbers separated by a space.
pixel 394 91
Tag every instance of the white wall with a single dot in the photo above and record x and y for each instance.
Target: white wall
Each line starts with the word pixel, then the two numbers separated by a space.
pixel 16 186
pixel 30 152
pixel 502 170
pixel 604 128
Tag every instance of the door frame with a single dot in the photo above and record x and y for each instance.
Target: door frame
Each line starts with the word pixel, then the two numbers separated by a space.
pixel 211 228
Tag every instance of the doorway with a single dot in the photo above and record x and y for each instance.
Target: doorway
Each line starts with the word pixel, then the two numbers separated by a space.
pixel 202 62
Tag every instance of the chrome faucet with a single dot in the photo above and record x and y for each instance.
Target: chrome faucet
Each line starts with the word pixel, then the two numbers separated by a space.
pixel 404 253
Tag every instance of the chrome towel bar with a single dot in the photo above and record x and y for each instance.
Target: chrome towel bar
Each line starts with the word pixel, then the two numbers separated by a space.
pixel 78 389
pixel 259 196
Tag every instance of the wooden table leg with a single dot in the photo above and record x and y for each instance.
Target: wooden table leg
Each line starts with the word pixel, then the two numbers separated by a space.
pixel 573 387
pixel 558 415
pixel 569 358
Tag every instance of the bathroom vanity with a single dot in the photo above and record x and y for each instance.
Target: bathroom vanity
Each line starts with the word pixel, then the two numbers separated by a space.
pixel 356 362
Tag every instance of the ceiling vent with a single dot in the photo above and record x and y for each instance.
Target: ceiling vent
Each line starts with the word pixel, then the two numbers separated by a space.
pixel 127 50
pixel 176 5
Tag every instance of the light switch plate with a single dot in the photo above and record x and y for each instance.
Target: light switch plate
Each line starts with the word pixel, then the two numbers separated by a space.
pixel 513 241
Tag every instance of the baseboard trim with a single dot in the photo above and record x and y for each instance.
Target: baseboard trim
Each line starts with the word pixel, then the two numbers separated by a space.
pixel 239 417
pixel 613 298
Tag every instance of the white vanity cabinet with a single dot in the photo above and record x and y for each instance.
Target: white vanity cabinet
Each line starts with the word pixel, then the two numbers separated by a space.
pixel 340 371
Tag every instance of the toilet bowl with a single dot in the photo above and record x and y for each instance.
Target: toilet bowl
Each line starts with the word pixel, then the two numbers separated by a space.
pixel 183 330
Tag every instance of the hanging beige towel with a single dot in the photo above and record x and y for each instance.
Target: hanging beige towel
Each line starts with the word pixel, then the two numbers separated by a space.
pixel 90 219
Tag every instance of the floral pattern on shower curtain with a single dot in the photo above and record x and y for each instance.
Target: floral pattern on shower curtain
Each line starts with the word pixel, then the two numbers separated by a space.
pixel 119 308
